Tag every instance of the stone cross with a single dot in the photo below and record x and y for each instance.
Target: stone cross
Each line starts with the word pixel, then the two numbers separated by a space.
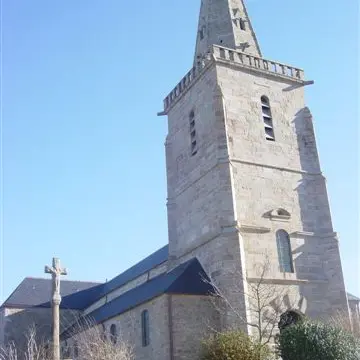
pixel 56 271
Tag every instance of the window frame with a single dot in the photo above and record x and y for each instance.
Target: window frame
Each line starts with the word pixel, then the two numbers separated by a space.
pixel 76 349
pixel 103 332
pixel 267 117
pixel 193 134
pixel 145 328
pixel 201 34
pixel 283 244
pixel 242 24
pixel 113 333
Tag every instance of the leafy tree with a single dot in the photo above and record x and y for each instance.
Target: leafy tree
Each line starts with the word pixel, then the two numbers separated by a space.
pixel 234 345
pixel 308 341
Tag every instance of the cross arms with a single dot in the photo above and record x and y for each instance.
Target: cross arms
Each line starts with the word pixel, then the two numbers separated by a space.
pixel 56 268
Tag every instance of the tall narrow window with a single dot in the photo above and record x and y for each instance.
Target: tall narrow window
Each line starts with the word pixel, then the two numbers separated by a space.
pixel 66 353
pixel 103 332
pixel 284 251
pixel 76 350
pixel 113 333
pixel 193 136
pixel 267 118
pixel 242 24
pixel 145 328
pixel 201 33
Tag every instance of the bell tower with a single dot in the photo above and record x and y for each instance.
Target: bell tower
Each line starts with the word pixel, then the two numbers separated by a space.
pixel 243 173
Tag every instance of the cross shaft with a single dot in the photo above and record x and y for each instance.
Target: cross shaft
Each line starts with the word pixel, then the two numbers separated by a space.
pixel 56 271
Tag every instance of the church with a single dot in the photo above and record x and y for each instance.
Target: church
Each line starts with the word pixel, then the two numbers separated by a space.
pixel 244 189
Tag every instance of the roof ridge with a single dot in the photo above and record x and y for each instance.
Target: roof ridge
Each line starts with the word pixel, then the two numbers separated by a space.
pixel 142 260
pixel 352 297
pixel 62 280
pixel 31 292
pixel 128 275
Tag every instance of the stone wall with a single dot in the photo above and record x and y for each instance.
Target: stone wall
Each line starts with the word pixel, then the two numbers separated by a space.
pixel 129 330
pixel 193 319
pixel 355 314
pixel 193 181
pixel 201 213
pixel 129 325
pixel 2 326
pixel 178 323
pixel 228 190
pixel 281 174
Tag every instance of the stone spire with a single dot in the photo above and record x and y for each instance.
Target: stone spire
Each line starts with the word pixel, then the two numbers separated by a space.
pixel 225 23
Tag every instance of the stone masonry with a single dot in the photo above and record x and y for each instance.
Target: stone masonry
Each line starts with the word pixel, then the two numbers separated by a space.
pixel 221 198
pixel 242 165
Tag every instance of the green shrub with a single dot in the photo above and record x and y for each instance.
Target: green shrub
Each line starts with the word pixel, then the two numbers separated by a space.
pixel 310 341
pixel 233 346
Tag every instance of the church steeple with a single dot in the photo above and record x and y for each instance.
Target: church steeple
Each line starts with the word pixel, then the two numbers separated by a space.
pixel 225 23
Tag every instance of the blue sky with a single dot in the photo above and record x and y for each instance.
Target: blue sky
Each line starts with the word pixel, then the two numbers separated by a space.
pixel 83 155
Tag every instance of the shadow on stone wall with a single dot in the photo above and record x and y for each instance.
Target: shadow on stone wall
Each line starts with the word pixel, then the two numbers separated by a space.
pixel 318 258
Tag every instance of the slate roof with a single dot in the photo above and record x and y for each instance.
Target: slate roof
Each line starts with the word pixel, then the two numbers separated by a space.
pixel 187 278
pixel 157 258
pixel 352 297
pixel 78 295
pixel 36 292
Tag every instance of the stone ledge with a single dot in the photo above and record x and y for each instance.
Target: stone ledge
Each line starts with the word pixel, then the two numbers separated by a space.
pixel 254 229
pixel 313 234
pixel 297 171
pixel 284 281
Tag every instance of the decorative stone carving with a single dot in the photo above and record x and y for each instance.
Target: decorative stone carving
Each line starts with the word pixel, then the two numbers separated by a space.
pixel 278 214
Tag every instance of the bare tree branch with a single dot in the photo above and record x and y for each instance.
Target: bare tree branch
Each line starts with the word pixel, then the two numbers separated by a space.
pixel 266 303
pixel 93 344
pixel 89 338
pixel 35 349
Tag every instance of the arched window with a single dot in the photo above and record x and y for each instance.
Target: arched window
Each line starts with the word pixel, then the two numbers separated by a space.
pixel 290 317
pixel 113 333
pixel 284 251
pixel 145 330
pixel 267 118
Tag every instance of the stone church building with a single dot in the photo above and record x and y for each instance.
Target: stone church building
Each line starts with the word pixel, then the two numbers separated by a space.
pixel 245 188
